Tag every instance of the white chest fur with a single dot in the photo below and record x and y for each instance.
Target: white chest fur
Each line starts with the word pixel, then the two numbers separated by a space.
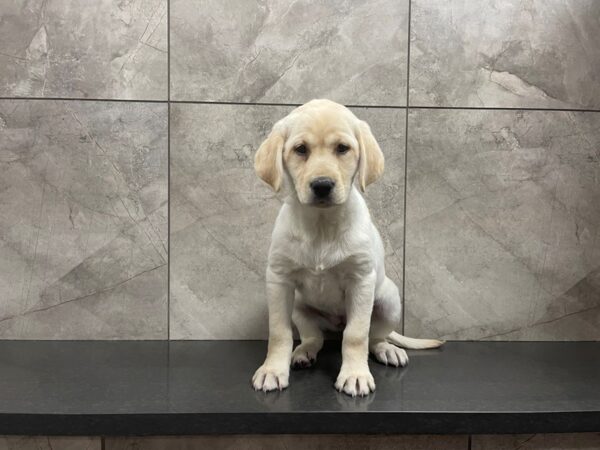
pixel 322 251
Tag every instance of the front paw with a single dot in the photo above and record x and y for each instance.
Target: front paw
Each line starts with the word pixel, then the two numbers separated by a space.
pixel 355 381
pixel 270 378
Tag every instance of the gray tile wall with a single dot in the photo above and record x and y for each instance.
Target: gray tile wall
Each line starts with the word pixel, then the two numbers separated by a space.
pixel 77 48
pixel 50 443
pixel 353 52
pixel 588 441
pixel 222 215
pixel 502 212
pixel 512 53
pixel 503 221
pixel 291 442
pixel 83 220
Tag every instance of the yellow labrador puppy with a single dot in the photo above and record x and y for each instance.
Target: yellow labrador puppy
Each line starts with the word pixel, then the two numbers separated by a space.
pixel 326 261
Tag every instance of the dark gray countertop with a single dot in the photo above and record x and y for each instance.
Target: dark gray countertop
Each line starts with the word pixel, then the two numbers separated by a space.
pixel 192 387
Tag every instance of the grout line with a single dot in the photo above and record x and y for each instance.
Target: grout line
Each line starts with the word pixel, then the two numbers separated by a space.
pixel 168 170
pixel 208 102
pixel 204 102
pixel 82 99
pixel 503 108
pixel 377 106
pixel 403 300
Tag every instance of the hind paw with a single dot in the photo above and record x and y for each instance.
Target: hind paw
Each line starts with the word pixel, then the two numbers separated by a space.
pixel 303 357
pixel 389 354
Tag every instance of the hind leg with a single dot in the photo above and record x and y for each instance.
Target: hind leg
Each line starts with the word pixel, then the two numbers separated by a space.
pixel 311 336
pixel 387 312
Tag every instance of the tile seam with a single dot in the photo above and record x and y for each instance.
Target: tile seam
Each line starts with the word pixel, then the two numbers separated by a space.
pixel 168 170
pixel 403 299
pixel 205 102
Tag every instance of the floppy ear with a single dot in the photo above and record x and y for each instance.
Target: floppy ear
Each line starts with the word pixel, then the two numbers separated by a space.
pixel 268 161
pixel 371 162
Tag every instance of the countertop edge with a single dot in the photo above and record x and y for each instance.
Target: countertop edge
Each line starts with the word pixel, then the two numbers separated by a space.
pixel 157 424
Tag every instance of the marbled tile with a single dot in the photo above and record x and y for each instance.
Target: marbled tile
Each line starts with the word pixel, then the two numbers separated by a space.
pixel 584 441
pixel 292 442
pixel 222 215
pixel 503 225
pixel 511 53
pixel 78 48
pixel 83 220
pixel 291 52
pixel 49 443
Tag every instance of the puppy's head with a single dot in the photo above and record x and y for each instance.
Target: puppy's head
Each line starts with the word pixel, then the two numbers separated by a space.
pixel 320 147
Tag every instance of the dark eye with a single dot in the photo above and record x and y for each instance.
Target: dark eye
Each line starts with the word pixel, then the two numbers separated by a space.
pixel 342 148
pixel 301 149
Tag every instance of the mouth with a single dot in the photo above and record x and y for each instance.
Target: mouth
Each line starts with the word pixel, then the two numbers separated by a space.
pixel 322 203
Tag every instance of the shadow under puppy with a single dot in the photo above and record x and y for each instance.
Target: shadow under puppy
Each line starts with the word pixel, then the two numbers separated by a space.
pixel 326 260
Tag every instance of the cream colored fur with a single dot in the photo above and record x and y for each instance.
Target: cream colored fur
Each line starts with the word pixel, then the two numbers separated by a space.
pixel 326 260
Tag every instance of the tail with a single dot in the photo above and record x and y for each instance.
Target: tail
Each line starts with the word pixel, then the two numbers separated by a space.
pixel 412 343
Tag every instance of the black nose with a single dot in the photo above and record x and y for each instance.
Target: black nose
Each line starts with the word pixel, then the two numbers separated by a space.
pixel 322 186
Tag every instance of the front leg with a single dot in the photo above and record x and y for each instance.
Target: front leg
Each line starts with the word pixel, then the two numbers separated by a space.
pixel 354 377
pixel 275 371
